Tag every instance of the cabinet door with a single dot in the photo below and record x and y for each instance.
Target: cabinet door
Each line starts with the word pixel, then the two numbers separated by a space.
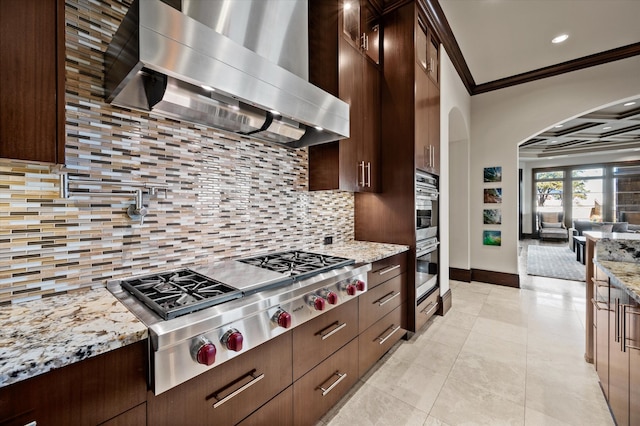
pixel 601 333
pixel 423 150
pixel 370 142
pixel 278 411
pixel 371 31
pixel 633 342
pixel 378 339
pixel 433 113
pixel 618 359
pixel 32 76
pixel 351 22
pixel 433 58
pixel 352 168
pixel 376 303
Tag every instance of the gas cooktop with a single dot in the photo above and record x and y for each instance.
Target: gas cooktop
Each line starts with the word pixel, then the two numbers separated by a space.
pixel 180 292
pixel 297 264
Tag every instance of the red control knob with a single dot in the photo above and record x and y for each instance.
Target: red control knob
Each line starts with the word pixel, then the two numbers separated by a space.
pixel 328 295
pixel 351 290
pixel 232 339
pixel 360 285
pixel 206 353
pixel 316 302
pixel 282 318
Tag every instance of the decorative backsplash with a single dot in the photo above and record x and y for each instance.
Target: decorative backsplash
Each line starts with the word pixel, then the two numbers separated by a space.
pixel 227 196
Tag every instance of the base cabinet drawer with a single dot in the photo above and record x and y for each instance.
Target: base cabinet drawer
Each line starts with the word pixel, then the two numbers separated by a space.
pixel 317 339
pixel 378 339
pixel 385 269
pixel 137 416
pixel 319 390
pixel 426 309
pixel 379 301
pixel 229 393
pixel 278 411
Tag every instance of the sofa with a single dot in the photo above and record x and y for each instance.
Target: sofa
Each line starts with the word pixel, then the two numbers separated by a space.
pixel 581 226
pixel 633 219
pixel 551 226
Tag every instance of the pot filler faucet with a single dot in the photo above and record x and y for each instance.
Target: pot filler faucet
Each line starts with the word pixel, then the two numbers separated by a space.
pixel 83 188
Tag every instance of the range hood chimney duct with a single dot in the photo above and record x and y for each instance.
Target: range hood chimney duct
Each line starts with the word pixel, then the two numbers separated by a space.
pixel 164 61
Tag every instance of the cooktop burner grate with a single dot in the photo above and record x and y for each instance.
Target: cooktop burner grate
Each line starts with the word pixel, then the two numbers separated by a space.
pixel 176 293
pixel 297 264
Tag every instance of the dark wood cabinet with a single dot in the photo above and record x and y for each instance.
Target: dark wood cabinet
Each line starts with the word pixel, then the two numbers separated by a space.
pixel 32 75
pixel 376 340
pixel 97 390
pixel 342 67
pixel 317 339
pixel 361 27
pixel 319 390
pixel 278 411
pixel 426 309
pixel 229 393
pixel 381 300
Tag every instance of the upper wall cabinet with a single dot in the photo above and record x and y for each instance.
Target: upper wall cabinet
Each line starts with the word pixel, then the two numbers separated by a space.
pixel 344 41
pixel 428 52
pixel 32 76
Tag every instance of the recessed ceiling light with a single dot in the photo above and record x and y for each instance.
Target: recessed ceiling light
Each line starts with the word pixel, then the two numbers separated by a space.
pixel 347 5
pixel 559 125
pixel 606 128
pixel 209 88
pixel 560 38
pixel 629 103
pixel 274 112
pixel 319 128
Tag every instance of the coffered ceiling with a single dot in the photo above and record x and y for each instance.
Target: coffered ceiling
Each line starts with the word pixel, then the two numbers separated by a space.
pixel 499 43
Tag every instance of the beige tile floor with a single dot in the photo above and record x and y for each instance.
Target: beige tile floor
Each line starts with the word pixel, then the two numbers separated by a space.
pixel 501 356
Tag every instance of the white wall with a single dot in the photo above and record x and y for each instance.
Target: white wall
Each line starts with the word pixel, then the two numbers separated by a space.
pixel 502 119
pixel 455 118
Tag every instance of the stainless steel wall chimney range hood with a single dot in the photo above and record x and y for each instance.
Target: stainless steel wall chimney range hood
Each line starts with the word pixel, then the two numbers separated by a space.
pixel 164 61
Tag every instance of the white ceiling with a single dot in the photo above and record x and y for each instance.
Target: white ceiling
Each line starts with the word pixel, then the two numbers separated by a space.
pixel 501 38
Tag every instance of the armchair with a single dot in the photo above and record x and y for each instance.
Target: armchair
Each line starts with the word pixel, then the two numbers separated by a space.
pixel 551 226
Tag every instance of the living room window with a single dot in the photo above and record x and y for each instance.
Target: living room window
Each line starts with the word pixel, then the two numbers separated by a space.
pixel 587 196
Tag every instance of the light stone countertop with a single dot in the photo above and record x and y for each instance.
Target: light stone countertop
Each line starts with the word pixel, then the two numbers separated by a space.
pixel 624 275
pixel 361 251
pixel 42 335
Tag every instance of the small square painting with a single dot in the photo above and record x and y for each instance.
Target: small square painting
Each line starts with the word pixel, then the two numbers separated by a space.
pixel 492 238
pixel 493 174
pixel 493 195
pixel 492 217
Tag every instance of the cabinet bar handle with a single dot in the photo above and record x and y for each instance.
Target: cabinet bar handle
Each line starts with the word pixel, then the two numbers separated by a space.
pixel 241 389
pixel 387 298
pixel 616 325
pixel 389 269
pixel 596 304
pixel 368 174
pixel 623 337
pixel 341 377
pixel 361 173
pixel 433 306
pixel 337 328
pixel 384 339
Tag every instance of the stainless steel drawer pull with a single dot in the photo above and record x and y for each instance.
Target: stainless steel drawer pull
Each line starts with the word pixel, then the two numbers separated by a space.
pixel 430 307
pixel 337 328
pixel 385 338
pixel 596 304
pixel 341 377
pixel 241 389
pixel 389 269
pixel 387 298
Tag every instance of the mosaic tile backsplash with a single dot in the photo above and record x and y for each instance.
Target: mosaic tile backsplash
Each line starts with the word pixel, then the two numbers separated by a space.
pixel 226 197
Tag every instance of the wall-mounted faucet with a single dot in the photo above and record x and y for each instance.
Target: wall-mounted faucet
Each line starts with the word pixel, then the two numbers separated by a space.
pixel 136 211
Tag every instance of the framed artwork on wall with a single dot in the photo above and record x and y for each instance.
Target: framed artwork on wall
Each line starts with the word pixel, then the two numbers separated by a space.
pixel 493 174
pixel 492 217
pixel 492 238
pixel 493 195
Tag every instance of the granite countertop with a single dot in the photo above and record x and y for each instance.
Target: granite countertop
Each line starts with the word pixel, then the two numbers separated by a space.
pixel 624 275
pixel 42 335
pixel 361 251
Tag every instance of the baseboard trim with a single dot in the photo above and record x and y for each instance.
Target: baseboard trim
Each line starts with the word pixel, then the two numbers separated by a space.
pixel 499 278
pixel 460 274
pixel 444 303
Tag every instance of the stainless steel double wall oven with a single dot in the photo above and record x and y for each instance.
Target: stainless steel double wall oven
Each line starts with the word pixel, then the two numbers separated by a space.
pixel 426 234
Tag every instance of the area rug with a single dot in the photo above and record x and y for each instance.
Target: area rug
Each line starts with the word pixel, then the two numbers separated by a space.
pixel 554 262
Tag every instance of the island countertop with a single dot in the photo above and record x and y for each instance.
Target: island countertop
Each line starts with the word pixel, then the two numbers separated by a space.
pixel 42 335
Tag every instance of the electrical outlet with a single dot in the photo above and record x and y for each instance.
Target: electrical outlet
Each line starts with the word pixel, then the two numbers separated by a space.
pixel 328 240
